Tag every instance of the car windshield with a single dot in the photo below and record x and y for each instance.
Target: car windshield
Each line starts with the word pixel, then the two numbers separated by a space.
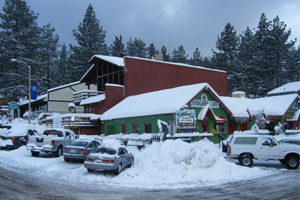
pixel 53 132
pixel 109 151
pixel 79 143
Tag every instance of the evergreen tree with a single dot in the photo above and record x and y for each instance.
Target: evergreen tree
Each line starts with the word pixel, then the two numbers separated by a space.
pixel 247 62
pixel 226 58
pixel 165 54
pixel 19 39
pixel 48 58
pixel 197 58
pixel 136 48
pixel 179 55
pixel 90 37
pixel 64 72
pixel 117 47
pixel 151 51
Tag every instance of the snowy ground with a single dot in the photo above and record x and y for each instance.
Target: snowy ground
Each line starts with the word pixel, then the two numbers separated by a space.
pixel 170 164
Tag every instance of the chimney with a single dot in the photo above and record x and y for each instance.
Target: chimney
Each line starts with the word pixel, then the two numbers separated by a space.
pixel 159 57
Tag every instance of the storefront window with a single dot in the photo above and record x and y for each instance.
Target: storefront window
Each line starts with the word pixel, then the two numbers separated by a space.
pixel 135 127
pixel 148 128
pixel 124 128
pixel 220 128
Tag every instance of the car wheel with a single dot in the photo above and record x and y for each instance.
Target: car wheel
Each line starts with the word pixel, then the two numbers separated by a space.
pixel 59 152
pixel 89 170
pixel 282 161
pixel 131 162
pixel 119 169
pixel 292 162
pixel 246 160
pixel 35 154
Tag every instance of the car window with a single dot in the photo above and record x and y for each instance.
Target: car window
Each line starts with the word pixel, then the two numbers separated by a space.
pixel 107 150
pixel 53 133
pixel 97 144
pixel 79 143
pixel 246 140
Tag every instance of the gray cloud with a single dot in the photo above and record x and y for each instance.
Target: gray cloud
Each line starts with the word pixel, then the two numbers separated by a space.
pixel 166 22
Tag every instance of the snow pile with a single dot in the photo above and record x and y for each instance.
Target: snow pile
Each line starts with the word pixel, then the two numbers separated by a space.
pixel 169 164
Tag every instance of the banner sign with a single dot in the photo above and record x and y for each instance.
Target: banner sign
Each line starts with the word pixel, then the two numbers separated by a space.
pixel 13 105
pixel 34 92
pixel 203 103
pixel 185 119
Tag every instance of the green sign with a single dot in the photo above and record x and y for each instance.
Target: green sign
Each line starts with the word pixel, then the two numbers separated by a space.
pixel 185 119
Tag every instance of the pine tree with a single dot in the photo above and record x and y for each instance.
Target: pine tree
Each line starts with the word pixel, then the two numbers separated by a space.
pixel 19 39
pixel 64 72
pixel 179 55
pixel 165 54
pixel 197 59
pixel 117 47
pixel 136 48
pixel 90 37
pixel 226 58
pixel 151 51
pixel 48 58
pixel 247 62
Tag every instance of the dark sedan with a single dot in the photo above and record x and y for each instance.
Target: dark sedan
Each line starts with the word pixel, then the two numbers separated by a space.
pixel 79 149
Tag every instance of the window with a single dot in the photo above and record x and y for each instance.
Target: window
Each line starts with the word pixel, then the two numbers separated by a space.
pixel 88 109
pixel 246 140
pixel 135 128
pixel 148 128
pixel 124 128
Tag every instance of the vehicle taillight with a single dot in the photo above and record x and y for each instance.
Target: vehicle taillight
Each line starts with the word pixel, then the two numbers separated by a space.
pixel 108 161
pixel 27 140
pixel 229 150
pixel 64 149
pixel 87 158
pixel 52 142
pixel 13 140
pixel 83 151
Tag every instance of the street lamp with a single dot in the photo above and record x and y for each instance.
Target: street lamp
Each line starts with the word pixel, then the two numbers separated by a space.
pixel 29 86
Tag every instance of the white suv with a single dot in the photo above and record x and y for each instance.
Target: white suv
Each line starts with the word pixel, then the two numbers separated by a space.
pixel 246 147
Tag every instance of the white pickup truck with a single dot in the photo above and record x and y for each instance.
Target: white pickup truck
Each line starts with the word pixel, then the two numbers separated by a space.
pixel 53 140
pixel 246 147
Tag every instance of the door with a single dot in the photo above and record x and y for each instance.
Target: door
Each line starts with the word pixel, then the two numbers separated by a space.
pixel 204 126
pixel 269 148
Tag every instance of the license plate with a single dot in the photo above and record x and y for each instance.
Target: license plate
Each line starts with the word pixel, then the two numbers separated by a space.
pixel 72 151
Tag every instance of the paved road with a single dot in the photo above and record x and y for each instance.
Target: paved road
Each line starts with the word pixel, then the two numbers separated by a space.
pixel 284 185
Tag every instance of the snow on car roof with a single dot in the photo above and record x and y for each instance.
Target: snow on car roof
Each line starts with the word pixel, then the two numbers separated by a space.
pixel 153 103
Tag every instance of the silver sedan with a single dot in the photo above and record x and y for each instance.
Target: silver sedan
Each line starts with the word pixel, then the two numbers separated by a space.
pixel 79 149
pixel 108 159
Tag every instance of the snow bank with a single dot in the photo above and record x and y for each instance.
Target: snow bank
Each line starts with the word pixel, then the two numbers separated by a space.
pixel 170 164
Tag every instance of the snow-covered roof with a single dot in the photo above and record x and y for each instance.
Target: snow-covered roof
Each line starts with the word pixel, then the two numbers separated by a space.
pixel 64 86
pixel 296 116
pixel 91 116
pixel 111 59
pixel 178 64
pixel 204 111
pixel 94 99
pixel 292 87
pixel 41 97
pixel 272 106
pixel 154 103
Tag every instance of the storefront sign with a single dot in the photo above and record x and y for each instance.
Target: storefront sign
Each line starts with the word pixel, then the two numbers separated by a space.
pixel 203 103
pixel 185 119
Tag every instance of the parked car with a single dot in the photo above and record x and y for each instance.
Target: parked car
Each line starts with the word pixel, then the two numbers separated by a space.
pixel 108 159
pixel 246 147
pixel 289 141
pixel 12 141
pixel 79 149
pixel 53 140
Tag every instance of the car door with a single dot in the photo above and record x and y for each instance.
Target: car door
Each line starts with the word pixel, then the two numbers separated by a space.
pixel 269 149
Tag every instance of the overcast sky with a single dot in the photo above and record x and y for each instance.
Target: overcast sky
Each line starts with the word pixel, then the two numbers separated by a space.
pixel 192 23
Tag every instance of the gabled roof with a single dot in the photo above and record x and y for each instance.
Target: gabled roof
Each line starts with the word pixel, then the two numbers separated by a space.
pixel 94 99
pixel 155 103
pixel 206 109
pixel 292 87
pixel 119 61
pixel 272 106
pixel 63 86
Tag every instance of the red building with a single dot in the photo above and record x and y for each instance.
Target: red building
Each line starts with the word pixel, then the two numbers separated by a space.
pixel 118 78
